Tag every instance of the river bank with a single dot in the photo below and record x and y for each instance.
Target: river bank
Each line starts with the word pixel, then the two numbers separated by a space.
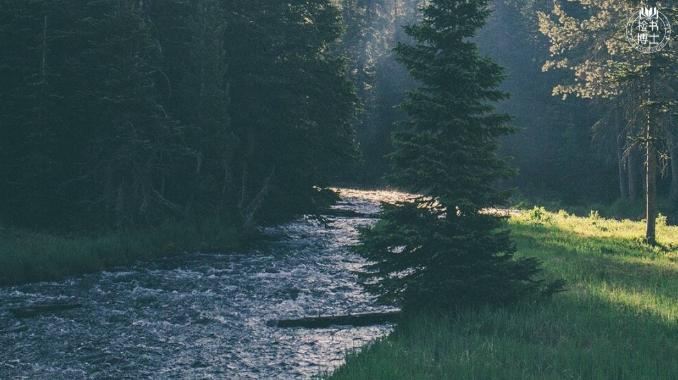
pixel 27 256
pixel 617 320
pixel 202 315
pixel 30 256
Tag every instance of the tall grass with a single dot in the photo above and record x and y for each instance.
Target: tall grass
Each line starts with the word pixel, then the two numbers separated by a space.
pixel 618 209
pixel 618 319
pixel 30 256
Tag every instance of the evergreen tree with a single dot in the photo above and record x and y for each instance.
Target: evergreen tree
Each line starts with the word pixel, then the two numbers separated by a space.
pixel 195 89
pixel 293 101
pixel 442 250
pixel 34 128
pixel 132 143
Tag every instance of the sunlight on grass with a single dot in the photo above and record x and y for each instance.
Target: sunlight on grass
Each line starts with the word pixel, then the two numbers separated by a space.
pixel 617 320
pixel 595 226
pixel 639 301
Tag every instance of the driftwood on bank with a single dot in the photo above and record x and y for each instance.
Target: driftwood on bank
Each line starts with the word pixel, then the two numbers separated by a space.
pixel 35 310
pixel 364 319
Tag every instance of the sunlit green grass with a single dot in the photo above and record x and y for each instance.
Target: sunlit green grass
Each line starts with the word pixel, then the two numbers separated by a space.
pixel 617 320
pixel 31 256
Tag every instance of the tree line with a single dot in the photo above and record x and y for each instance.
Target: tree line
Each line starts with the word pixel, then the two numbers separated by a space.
pixel 116 113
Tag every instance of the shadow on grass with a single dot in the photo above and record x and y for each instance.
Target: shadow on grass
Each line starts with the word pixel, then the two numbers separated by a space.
pixel 571 337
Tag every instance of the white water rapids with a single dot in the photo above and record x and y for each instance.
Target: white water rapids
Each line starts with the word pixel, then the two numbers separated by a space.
pixel 202 315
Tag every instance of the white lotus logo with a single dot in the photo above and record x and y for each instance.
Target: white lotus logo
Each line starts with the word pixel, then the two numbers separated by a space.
pixel 648 12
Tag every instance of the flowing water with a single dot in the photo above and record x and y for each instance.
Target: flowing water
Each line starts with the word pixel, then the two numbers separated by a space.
pixel 201 315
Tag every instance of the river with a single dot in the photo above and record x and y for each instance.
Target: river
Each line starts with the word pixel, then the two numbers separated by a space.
pixel 202 315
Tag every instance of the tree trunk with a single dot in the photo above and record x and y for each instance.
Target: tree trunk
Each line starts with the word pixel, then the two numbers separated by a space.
pixel 623 189
pixel 253 208
pixel 621 167
pixel 396 21
pixel 43 66
pixel 650 170
pixel 633 174
pixel 243 186
pixel 651 191
pixel 672 136
pixel 120 206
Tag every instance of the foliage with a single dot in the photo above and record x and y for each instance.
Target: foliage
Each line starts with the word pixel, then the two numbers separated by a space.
pixel 539 215
pixel 594 215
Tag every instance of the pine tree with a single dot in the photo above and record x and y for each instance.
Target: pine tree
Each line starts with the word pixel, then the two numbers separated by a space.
pixel 293 101
pixel 132 144
pixel 442 250
pixel 33 113
pixel 196 93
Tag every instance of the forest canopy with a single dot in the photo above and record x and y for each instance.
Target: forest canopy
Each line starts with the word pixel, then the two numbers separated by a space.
pixel 117 113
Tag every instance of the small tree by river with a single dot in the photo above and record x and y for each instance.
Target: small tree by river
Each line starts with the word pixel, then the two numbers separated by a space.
pixel 441 250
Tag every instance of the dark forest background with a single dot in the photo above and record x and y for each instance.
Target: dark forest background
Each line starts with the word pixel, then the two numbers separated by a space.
pixel 131 112
pixel 118 113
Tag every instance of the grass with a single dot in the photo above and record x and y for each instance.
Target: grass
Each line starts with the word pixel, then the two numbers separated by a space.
pixel 27 256
pixel 31 256
pixel 617 320
pixel 618 209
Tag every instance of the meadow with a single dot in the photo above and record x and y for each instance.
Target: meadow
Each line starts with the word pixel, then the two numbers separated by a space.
pixel 618 318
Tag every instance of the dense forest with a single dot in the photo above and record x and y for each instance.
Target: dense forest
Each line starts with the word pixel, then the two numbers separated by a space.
pixel 146 110
pixel 118 113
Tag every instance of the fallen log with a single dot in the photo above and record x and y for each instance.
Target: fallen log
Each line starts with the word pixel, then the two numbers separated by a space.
pixel 35 310
pixel 363 319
